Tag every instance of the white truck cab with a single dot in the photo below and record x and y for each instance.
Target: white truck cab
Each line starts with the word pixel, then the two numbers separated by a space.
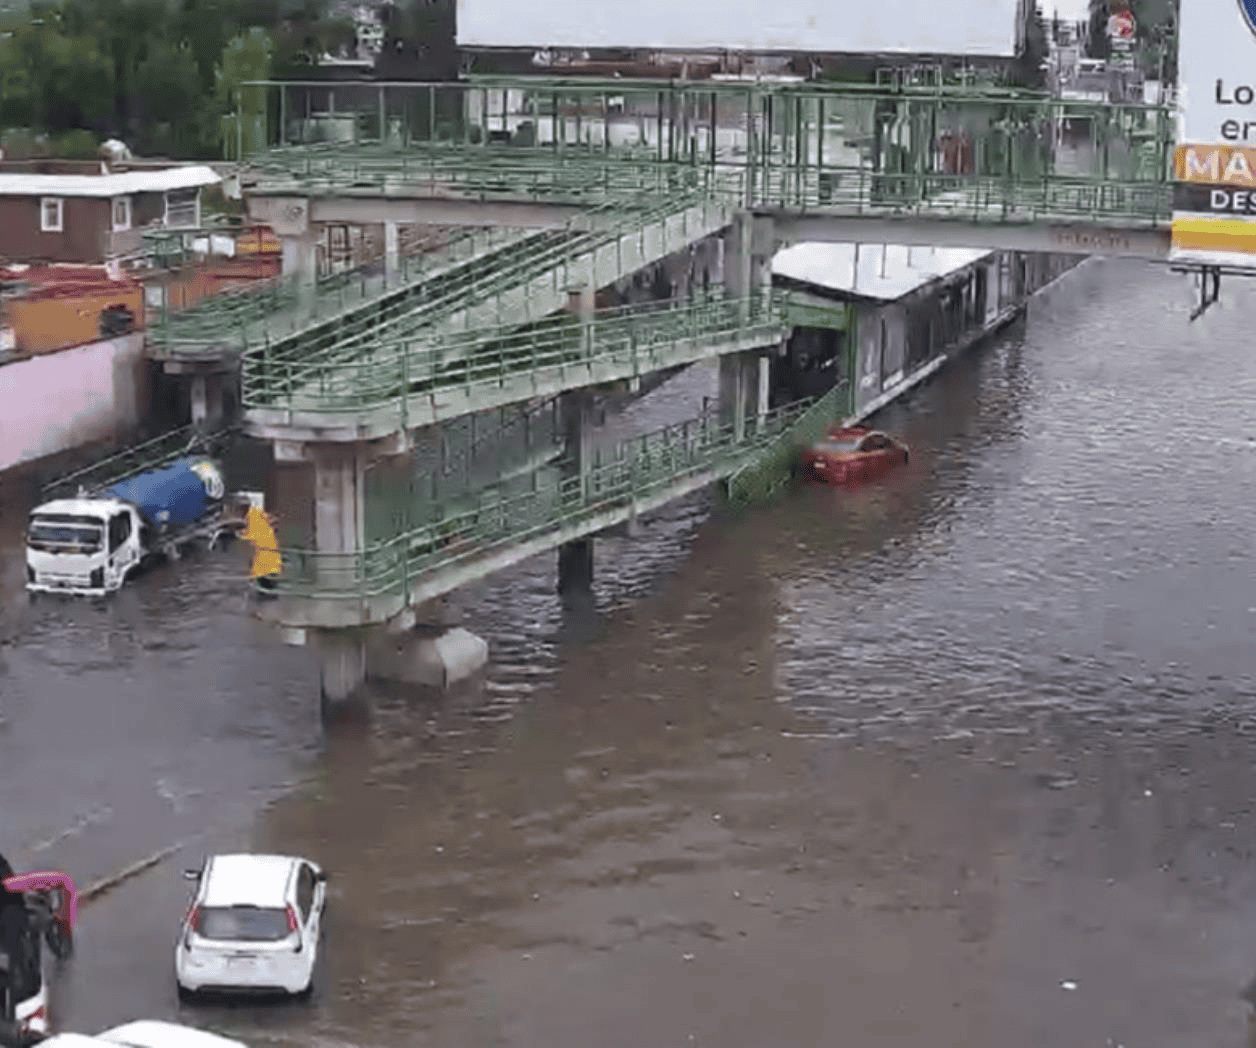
pixel 82 545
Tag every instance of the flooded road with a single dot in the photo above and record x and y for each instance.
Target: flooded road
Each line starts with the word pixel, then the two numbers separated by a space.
pixel 966 758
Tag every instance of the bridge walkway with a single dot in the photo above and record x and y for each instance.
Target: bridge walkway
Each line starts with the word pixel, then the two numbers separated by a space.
pixel 374 584
pixel 494 277
pixel 433 377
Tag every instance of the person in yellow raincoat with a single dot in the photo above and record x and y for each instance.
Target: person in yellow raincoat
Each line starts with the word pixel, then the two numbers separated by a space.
pixel 259 530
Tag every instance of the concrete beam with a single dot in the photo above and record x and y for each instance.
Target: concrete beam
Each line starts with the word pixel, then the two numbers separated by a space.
pixel 416 210
pixel 1082 239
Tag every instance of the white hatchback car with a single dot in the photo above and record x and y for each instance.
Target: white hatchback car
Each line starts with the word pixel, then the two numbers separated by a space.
pixel 144 1033
pixel 253 925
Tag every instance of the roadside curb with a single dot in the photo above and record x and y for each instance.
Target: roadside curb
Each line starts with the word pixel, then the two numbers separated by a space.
pixel 105 884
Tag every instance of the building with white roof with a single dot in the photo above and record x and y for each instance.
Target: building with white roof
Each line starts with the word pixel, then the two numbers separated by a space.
pixel 882 317
pixel 64 211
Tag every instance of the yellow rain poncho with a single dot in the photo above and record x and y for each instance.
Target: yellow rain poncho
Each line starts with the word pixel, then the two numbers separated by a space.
pixel 266 560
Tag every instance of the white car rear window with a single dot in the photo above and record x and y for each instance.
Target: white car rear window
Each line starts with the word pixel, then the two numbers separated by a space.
pixel 243 924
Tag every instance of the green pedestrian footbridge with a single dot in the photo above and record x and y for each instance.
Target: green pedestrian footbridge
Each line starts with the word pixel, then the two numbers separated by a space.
pixel 442 395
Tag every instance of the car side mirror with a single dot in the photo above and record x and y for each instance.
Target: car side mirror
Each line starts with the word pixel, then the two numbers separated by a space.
pixel 191 875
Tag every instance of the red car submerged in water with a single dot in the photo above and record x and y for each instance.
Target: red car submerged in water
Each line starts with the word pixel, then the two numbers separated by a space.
pixel 851 454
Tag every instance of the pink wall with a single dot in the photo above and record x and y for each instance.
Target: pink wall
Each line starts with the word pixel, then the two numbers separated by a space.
pixel 63 400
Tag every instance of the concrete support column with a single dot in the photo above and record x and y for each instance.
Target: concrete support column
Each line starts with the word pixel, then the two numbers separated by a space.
pixel 581 301
pixel 575 567
pixel 214 398
pixel 392 252
pixel 339 513
pixel 764 391
pixel 576 419
pixel 342 663
pixel 199 396
pixel 300 263
pixel 737 259
pixel 762 249
pixel 744 382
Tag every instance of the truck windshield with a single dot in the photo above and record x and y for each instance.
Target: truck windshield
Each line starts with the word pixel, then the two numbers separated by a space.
pixel 65 533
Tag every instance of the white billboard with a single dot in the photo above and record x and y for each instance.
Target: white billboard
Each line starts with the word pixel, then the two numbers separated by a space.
pixel 974 27
pixel 1217 72
pixel 1214 170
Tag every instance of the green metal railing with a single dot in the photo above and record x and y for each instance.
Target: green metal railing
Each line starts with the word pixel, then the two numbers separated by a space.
pixel 1028 156
pixel 640 469
pixel 839 189
pixel 150 454
pixel 759 479
pixel 276 308
pixel 555 260
pixel 630 341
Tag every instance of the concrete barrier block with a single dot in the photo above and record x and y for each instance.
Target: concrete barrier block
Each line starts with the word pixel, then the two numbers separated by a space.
pixel 435 661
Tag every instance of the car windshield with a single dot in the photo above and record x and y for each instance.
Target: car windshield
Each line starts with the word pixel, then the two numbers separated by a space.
pixel 243 923
pixel 838 447
pixel 65 533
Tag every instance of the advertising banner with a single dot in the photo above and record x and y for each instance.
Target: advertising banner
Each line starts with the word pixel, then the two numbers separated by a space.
pixel 1214 167
pixel 976 27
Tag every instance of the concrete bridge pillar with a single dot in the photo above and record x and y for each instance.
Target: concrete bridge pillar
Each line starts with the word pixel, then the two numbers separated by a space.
pixel 747 255
pixel 392 252
pixel 575 559
pixel 339 532
pixel 342 664
pixel 581 302
pixel 745 390
pixel 206 398
pixel 417 646
pixel 199 395
pixel 300 263
pixel 575 411
pixel 575 567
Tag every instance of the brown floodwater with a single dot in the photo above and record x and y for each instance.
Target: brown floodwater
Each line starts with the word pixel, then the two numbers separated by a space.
pixel 964 758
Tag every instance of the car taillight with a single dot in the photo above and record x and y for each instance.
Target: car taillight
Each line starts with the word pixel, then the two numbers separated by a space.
pixel 194 918
pixel 292 927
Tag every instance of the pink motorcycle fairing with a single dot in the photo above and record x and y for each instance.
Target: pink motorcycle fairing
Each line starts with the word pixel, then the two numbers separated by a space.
pixel 45 880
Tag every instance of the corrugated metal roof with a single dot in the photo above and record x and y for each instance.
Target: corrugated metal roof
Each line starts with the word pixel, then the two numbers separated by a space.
pixel 119 184
pixel 905 269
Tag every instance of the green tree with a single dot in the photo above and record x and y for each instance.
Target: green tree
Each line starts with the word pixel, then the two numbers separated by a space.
pixel 174 116
pixel 247 57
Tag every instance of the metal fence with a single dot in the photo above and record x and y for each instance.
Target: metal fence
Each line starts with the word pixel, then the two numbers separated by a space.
pixel 621 342
pixel 757 144
pixel 644 467
pixel 759 479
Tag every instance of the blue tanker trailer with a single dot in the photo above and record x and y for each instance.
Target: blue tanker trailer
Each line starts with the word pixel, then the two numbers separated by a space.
pixel 92 543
